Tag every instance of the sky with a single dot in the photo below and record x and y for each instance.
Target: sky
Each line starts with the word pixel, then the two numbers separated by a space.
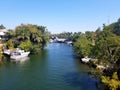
pixel 60 15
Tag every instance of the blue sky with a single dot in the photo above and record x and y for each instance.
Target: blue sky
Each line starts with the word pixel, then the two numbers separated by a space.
pixel 60 15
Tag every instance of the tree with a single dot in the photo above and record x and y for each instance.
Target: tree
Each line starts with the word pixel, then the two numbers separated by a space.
pixel 90 36
pixel 10 34
pixel 114 27
pixel 10 44
pixel 23 32
pixel 27 45
pixel 2 27
pixel 82 46
pixel 107 47
pixel 68 35
pixel 29 37
pixel 112 83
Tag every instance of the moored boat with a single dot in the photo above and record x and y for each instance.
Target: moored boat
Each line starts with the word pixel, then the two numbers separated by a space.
pixel 19 54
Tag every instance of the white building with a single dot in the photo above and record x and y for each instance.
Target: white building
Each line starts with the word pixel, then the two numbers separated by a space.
pixel 2 32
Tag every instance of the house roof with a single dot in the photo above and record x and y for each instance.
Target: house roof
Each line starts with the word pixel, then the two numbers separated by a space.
pixel 3 31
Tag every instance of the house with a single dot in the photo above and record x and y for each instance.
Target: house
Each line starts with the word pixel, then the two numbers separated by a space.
pixel 2 33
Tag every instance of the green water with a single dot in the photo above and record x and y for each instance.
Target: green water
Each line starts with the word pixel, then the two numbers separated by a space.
pixel 55 68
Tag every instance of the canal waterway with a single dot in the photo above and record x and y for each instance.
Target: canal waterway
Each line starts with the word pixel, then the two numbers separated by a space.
pixel 55 68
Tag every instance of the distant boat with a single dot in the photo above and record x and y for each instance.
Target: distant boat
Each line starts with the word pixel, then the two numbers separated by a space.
pixel 60 40
pixel 51 41
pixel 86 60
pixel 69 43
pixel 7 52
pixel 19 54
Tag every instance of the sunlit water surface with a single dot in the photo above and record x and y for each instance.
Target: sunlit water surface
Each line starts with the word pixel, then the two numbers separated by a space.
pixel 55 68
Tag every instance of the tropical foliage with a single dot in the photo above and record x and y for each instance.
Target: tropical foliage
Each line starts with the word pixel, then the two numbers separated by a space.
pixel 112 83
pixel 105 46
pixel 102 44
pixel 28 37
pixel 82 46
pixel 2 27
pixel 68 35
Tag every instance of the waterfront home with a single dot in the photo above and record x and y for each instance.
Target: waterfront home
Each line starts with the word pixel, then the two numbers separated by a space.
pixel 2 33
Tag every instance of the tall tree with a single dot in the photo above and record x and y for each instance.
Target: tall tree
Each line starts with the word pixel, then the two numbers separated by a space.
pixel 82 46
pixel 2 27
pixel 29 37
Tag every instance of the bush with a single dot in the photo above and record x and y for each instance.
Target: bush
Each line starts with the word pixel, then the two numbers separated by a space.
pixel 112 83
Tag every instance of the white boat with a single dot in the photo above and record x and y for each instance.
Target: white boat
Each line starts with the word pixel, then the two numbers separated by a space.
pixel 19 54
pixel 86 60
pixel 20 59
pixel 60 40
pixel 69 43
pixel 7 52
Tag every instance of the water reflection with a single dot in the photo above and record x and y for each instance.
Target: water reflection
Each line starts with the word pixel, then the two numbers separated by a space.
pixel 80 81
pixel 22 60
pixel 55 68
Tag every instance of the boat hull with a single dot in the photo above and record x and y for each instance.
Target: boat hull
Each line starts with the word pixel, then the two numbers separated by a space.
pixel 22 55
